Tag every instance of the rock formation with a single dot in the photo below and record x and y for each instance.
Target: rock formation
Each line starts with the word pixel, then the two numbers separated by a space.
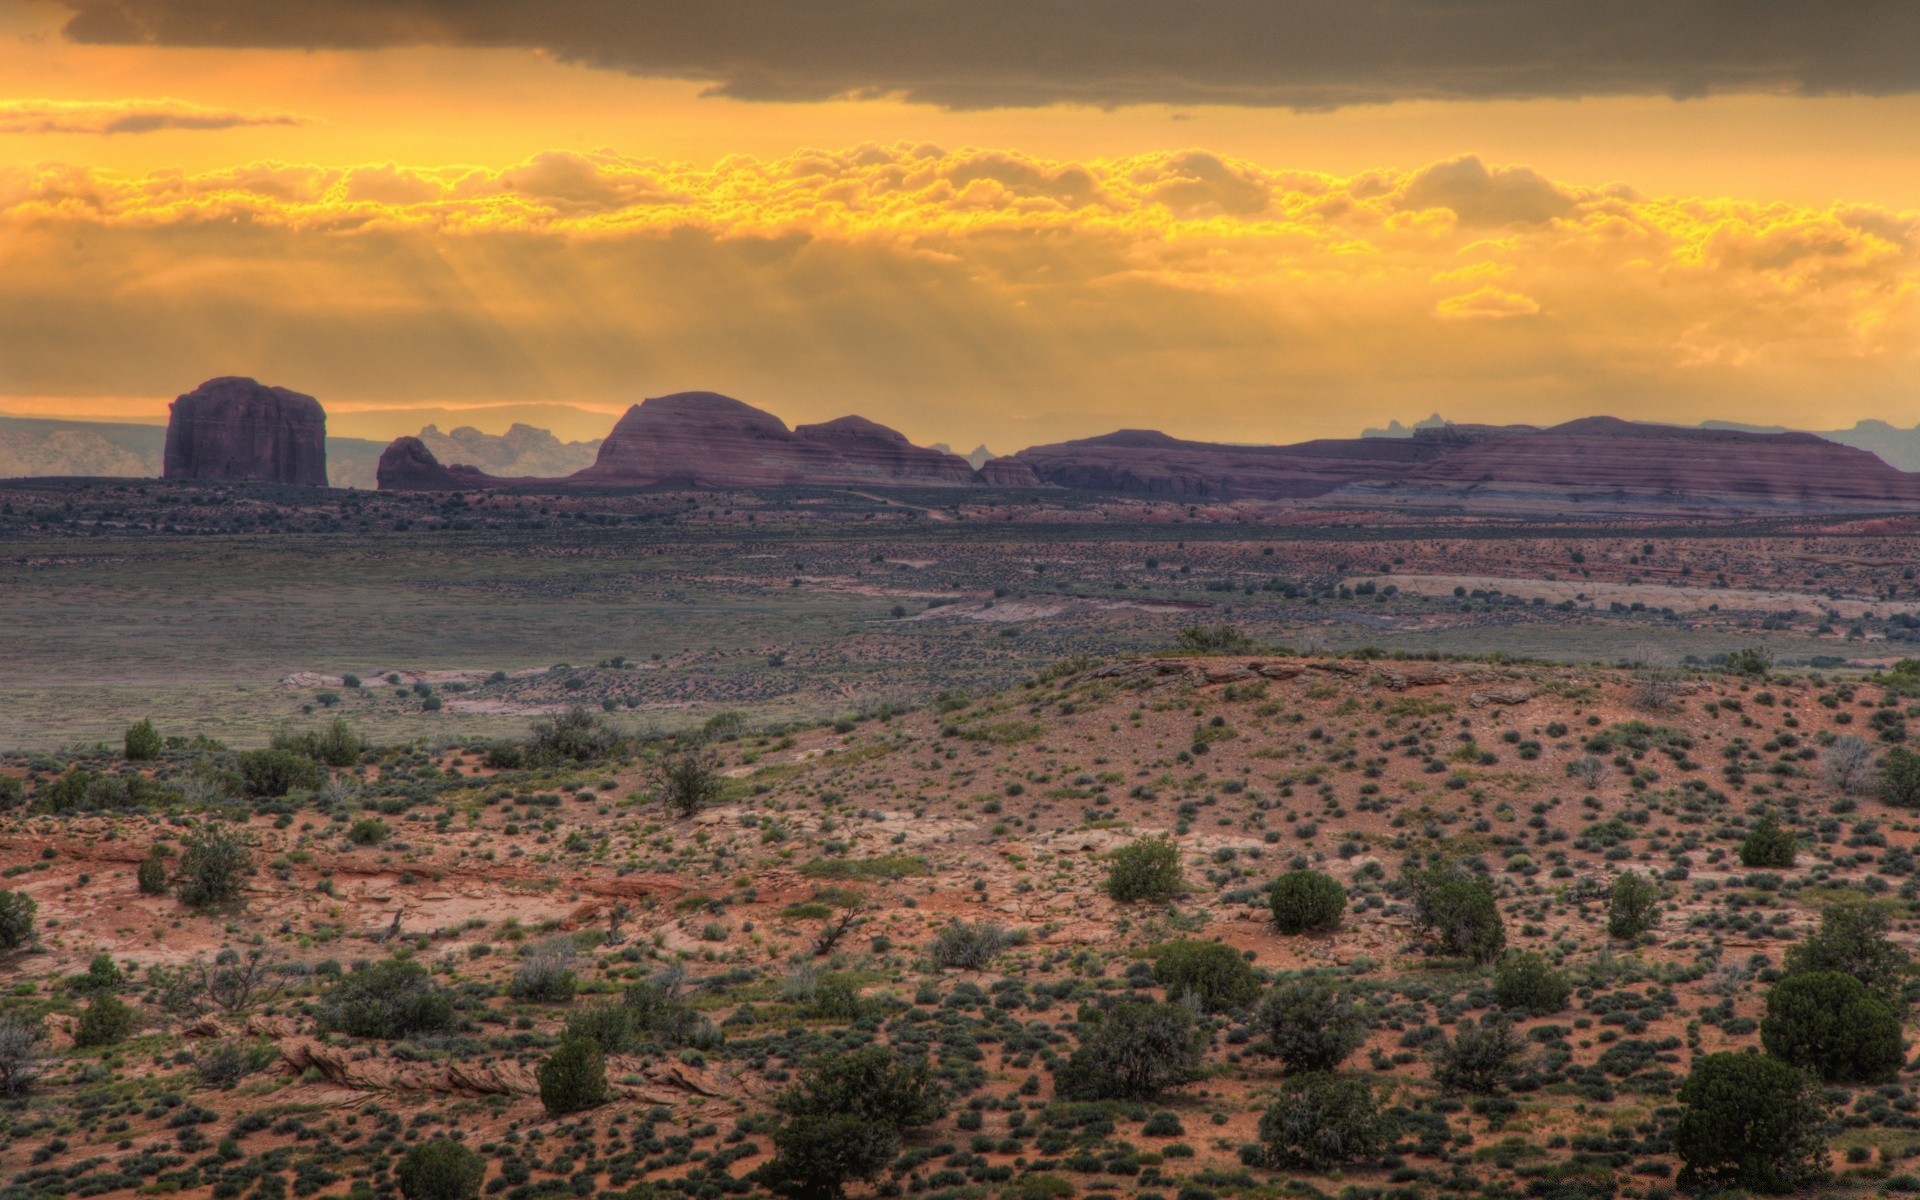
pixel 1008 472
pixel 885 454
pixel 406 465
pixel 236 429
pixel 521 451
pixel 1151 463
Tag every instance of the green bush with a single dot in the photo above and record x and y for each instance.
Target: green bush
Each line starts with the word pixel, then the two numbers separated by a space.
pixel 1321 1121
pixel 1750 1122
pixel 845 1118
pixel 1900 778
pixel 1219 976
pixel 574 736
pixel 1768 845
pixel 1527 983
pixel 609 1026
pixel 152 875
pixel 392 998
pixel 1458 912
pixel 661 1018
pixel 339 744
pixel 546 975
pixel 1635 906
pixel 1310 1025
pixel 367 831
pixel 105 1021
pixel 1145 869
pixel 573 1077
pixel 214 864
pixel 1852 939
pixel 13 793
pixel 687 781
pixel 968 945
pixel 1306 902
pixel 440 1170
pixel 1753 661
pixel 274 772
pixel 1131 1051
pixel 16 920
pixel 1830 1024
pixel 1479 1058
pixel 143 742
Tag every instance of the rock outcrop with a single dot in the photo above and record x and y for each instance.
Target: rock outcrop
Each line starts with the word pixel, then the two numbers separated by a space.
pixel 1008 472
pixel 237 429
pixel 1147 462
pixel 871 448
pixel 406 465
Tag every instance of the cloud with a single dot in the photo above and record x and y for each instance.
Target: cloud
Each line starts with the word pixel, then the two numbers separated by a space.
pixel 1002 295
pixel 988 53
pixel 126 116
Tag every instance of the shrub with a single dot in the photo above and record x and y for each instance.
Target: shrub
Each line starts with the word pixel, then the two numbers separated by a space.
pixel 1310 1025
pixel 1145 869
pixel 1847 765
pixel 152 875
pixel 844 1120
pixel 1900 778
pixel 16 920
pixel 1635 906
pixel 1215 974
pixel 367 831
pixel 1131 1051
pixel 1306 902
pixel 339 744
pixel 23 1050
pixel 1752 1122
pixel 1830 1024
pixel 1320 1121
pixel 388 999
pixel 968 945
pixel 1768 845
pixel 1459 912
pixel 573 1077
pixel 1527 983
pixel 659 1017
pixel 688 781
pixel 105 1021
pixel 143 742
pixel 574 736
pixel 546 973
pixel 274 772
pixel 13 793
pixel 213 865
pixel 1479 1058
pixel 1214 639
pixel 225 1064
pixel 611 1027
pixel 1753 661
pixel 504 756
pixel 1852 939
pixel 440 1170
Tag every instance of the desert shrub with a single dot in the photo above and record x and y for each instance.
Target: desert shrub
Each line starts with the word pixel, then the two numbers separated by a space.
pixel 844 1120
pixel 1752 661
pixel 1321 1121
pixel 1306 902
pixel 1768 844
pixel 1830 1024
pixel 143 743
pixel 102 976
pixel 105 1021
pixel 13 793
pixel 440 1170
pixel 1527 983
pixel 225 1064
pixel 968 945
pixel 1635 905
pixel 23 1050
pixel 573 1077
pixel 1145 869
pixel 16 920
pixel 367 831
pixel 339 744
pixel 1131 1051
pixel 1310 1025
pixel 1852 939
pixel 609 1026
pixel 687 781
pixel 1749 1122
pixel 392 998
pixel 658 1016
pixel 213 865
pixel 274 772
pixel 1214 639
pixel 574 736
pixel 151 875
pixel 504 756
pixel 1216 975
pixel 1847 765
pixel 546 973
pixel 1458 912
pixel 1479 1058
pixel 1900 778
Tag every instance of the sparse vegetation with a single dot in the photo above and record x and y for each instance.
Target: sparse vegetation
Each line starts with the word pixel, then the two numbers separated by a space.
pixel 1306 902
pixel 1145 869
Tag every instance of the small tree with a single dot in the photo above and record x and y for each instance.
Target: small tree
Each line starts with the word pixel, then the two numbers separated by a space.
pixel 687 781
pixel 1852 939
pixel 574 736
pixel 274 772
pixel 339 744
pixel 546 973
pixel 1751 1122
pixel 660 1016
pixel 387 999
pixel 16 920
pixel 1769 844
pixel 1753 662
pixel 441 1170
pixel 1635 906
pixel 1145 869
pixel 213 865
pixel 105 1021
pixel 151 875
pixel 573 1077
pixel 1527 983
pixel 1900 778
pixel 1459 912
pixel 1320 1121
pixel 1131 1051
pixel 845 1118
pixel 1310 1025
pixel 1847 765
pixel 968 945
pixel 1306 902
pixel 23 1051
pixel 238 982
pixel 1214 639
pixel 1217 976
pixel 1481 1058
pixel 1830 1024
pixel 143 742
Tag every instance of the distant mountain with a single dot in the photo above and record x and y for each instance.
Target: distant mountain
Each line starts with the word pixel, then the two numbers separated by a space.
pixel 1395 429
pixel 521 450
pixel 976 458
pixel 1896 446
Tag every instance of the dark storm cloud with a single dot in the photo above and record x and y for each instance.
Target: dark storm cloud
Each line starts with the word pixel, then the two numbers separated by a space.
pixel 988 53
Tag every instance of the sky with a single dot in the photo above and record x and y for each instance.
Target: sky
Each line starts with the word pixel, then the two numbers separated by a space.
pixel 998 221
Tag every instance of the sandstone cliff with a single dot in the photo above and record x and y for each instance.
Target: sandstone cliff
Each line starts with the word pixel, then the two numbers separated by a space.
pixel 237 429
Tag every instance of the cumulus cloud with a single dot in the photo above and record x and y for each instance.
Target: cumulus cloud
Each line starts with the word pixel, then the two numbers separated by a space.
pixel 984 53
pixel 1022 298
pixel 126 116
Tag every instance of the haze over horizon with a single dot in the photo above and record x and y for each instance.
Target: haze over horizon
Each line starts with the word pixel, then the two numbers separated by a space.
pixel 972 225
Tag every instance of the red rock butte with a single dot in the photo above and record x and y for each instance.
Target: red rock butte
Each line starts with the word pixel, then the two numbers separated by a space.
pixel 238 429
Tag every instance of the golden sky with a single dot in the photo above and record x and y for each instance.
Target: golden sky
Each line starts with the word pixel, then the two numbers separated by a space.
pixel 980 222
